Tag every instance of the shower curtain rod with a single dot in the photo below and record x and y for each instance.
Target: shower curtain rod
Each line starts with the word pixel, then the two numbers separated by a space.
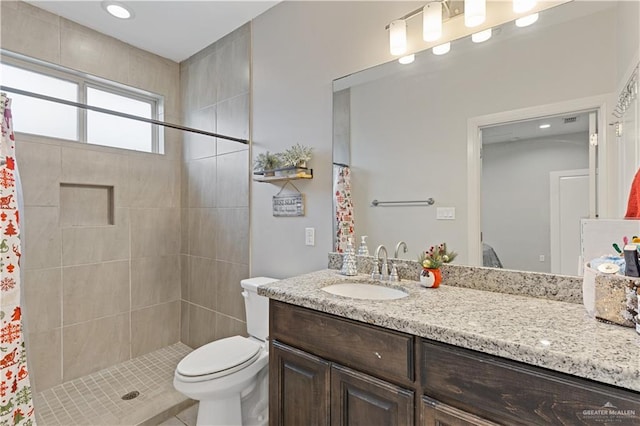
pixel 121 114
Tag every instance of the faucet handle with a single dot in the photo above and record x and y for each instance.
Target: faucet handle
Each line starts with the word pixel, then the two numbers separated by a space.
pixel 384 271
pixel 375 274
pixel 394 274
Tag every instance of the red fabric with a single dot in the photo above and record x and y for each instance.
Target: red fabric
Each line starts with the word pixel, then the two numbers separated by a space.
pixel 633 206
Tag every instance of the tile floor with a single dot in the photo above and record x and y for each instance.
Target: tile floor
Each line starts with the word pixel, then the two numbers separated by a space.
pixel 184 418
pixel 96 399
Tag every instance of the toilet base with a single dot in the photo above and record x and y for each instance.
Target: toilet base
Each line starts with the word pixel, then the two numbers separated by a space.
pixel 248 408
pixel 220 412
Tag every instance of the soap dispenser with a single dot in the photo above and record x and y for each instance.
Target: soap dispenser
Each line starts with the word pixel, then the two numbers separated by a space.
pixel 349 260
pixel 363 250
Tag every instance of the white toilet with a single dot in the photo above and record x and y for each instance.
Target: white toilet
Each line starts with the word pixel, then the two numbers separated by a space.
pixel 230 376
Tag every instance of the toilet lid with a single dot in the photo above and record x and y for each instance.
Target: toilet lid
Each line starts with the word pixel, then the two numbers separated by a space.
pixel 221 355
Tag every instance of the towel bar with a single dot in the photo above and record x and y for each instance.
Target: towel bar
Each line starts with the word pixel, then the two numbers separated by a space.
pixel 427 202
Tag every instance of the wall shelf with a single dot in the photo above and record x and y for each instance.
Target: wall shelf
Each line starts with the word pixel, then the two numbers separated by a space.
pixel 284 174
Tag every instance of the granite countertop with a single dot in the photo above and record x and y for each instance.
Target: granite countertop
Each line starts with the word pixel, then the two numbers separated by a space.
pixel 546 333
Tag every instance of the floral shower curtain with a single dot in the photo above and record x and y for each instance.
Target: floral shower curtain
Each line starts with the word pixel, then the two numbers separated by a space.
pixel 344 206
pixel 16 403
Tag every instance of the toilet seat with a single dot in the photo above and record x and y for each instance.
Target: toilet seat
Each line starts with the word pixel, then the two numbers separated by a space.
pixel 218 359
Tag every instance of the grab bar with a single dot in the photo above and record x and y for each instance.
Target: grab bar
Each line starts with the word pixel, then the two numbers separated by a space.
pixel 427 202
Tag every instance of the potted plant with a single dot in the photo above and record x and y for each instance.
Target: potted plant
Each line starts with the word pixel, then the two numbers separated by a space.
pixel 297 156
pixel 266 162
pixel 431 261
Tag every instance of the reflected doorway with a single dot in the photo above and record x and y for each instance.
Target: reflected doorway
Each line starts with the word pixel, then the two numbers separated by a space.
pixel 535 188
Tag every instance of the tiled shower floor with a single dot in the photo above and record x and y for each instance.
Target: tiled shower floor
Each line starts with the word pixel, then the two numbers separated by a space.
pixel 96 399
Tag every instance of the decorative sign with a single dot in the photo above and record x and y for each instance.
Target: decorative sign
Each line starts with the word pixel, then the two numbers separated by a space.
pixel 288 205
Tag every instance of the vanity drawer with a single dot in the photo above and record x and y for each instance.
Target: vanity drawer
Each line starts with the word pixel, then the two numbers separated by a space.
pixel 382 353
pixel 514 393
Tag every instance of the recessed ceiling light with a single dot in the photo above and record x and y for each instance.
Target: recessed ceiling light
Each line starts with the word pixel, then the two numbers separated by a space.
pixel 545 126
pixel 527 20
pixel 407 59
pixel 117 9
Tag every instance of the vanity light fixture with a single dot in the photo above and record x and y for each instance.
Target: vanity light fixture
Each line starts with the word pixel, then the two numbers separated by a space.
pixel 544 126
pixel 405 60
pixel 475 12
pixel 398 37
pixel 432 21
pixel 481 36
pixel 441 49
pixel 521 6
pixel 117 9
pixel 527 20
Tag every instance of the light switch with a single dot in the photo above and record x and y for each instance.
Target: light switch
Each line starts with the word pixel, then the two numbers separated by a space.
pixel 445 213
pixel 309 236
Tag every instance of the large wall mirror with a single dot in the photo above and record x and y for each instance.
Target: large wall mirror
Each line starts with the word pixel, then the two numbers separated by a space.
pixel 535 96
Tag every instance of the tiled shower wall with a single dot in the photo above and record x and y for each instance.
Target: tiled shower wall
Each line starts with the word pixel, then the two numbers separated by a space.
pixel 97 295
pixel 215 192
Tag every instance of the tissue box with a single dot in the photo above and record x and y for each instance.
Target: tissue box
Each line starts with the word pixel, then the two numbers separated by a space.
pixel 616 299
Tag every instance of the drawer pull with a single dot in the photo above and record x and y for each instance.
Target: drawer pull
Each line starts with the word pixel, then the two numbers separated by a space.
pixel 378 355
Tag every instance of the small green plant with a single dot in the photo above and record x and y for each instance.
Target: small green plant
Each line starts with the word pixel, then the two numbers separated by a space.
pixel 267 161
pixel 436 256
pixel 297 156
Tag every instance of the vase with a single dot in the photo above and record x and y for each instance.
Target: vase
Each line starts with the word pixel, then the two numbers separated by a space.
pixel 430 278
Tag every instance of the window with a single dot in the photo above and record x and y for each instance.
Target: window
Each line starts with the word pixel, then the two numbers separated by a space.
pixel 46 118
pixel 119 132
pixel 37 116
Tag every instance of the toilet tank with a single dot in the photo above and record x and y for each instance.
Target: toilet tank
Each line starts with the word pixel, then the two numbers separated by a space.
pixel 256 307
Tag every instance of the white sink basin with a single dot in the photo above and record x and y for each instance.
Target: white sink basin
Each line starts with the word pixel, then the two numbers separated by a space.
pixel 365 291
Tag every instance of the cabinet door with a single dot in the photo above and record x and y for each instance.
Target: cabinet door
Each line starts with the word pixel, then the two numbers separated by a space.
pixel 358 399
pixel 298 387
pixel 435 413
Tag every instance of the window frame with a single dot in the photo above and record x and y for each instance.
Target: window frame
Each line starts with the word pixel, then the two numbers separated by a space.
pixel 85 81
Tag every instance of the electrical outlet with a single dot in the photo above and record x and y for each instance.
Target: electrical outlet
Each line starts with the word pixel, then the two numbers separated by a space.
pixel 309 236
pixel 541 258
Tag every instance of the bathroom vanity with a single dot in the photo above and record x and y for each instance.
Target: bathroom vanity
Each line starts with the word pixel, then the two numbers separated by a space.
pixel 450 355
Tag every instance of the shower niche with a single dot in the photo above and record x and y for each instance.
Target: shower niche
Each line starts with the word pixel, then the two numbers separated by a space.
pixel 86 205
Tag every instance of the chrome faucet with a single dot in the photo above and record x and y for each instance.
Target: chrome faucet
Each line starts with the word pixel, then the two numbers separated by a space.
pixel 400 244
pixel 384 270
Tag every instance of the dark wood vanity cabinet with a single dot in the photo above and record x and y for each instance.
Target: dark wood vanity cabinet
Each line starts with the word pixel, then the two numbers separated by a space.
pixel 359 399
pixel 435 413
pixel 299 384
pixel 326 370
pixel 514 393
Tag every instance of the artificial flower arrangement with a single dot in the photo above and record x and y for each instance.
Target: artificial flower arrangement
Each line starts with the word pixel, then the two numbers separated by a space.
pixel 296 156
pixel 431 261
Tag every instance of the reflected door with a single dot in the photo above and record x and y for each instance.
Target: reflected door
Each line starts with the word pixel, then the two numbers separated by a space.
pixel 569 190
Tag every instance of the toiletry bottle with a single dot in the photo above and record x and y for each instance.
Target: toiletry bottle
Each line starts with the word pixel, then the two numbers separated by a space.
pixel 632 264
pixel 363 250
pixel 349 260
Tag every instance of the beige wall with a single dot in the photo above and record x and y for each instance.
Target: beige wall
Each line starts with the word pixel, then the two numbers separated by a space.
pixel 96 295
pixel 215 194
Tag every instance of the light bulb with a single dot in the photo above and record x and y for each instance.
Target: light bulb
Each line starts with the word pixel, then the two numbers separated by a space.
pixel 527 20
pixel 398 37
pixel 441 49
pixel 407 59
pixel 521 6
pixel 475 12
pixel 481 36
pixel 432 21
